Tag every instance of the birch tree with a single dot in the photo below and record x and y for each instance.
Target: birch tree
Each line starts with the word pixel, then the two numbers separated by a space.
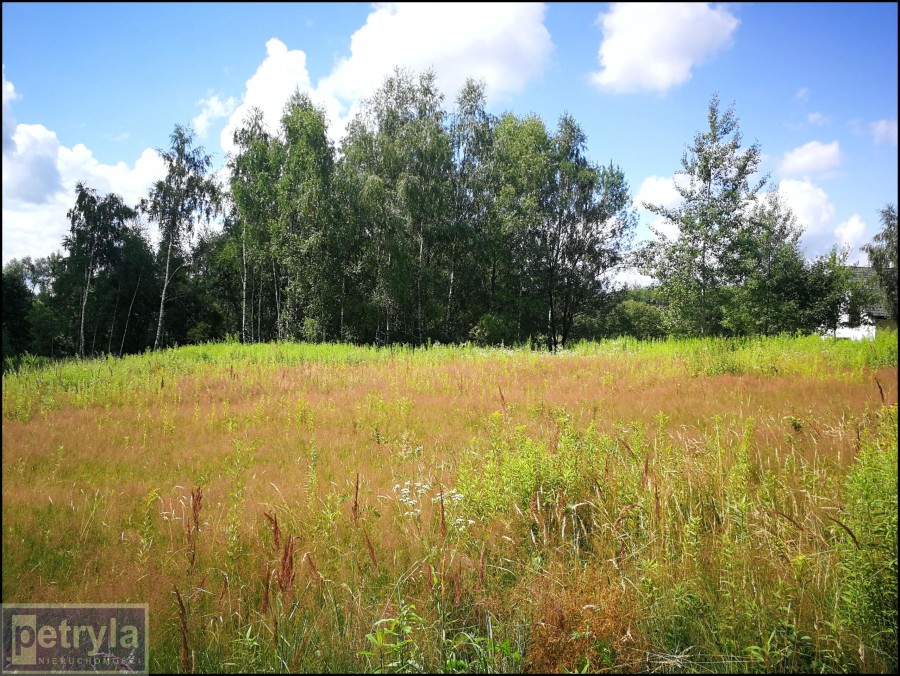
pixel 717 193
pixel 98 227
pixel 179 201
pixel 882 253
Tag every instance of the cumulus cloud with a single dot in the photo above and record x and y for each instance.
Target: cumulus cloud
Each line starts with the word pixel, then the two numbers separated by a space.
pixel 658 190
pixel 811 159
pixel 269 88
pixel 38 194
pixel 883 131
pixel 814 212
pixel 39 177
pixel 629 276
pixel 35 230
pixel 655 46
pixel 661 191
pixel 851 233
pixel 505 44
pixel 213 109
pixel 30 172
pixel 132 183
pixel 9 125
pixel 668 228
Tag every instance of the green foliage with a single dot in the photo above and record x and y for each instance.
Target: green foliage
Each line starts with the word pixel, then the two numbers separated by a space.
pixel 869 571
pixel 307 237
pixel 832 292
pixel 17 302
pixel 491 329
pixel 199 333
pixel 639 320
pixel 429 224
pixel 98 231
pixel 178 202
pixel 882 252
pixel 514 468
pixel 771 289
pixel 393 642
pixel 736 267
pixel 399 153
pixel 716 191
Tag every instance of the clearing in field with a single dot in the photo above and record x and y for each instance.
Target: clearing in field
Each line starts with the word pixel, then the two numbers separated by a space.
pixel 718 505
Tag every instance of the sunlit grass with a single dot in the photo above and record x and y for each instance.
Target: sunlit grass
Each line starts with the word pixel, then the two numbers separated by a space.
pixel 679 505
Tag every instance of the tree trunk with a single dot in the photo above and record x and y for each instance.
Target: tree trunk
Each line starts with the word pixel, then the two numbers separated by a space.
pixel 252 296
pixel 84 297
pixel 259 310
pixel 568 310
pixel 493 283
pixel 128 316
pixel 419 284
pixel 551 329
pixel 343 291
pixel 112 326
pixel 277 301
pixel 450 291
pixel 703 292
pixel 519 323
pixel 162 300
pixel 551 314
pixel 244 282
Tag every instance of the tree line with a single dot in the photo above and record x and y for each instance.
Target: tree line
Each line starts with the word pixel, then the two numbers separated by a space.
pixel 425 225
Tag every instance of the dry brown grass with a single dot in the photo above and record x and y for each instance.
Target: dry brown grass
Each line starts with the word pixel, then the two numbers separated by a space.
pixel 319 449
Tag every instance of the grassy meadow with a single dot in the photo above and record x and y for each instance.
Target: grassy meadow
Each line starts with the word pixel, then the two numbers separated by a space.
pixel 675 506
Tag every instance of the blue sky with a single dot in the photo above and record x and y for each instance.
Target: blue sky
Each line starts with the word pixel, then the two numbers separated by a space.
pixel 90 90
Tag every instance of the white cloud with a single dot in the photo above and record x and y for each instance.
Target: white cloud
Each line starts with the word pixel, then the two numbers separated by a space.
pixel 817 119
pixel 630 276
pixel 668 228
pixel 30 172
pixel 269 88
pixel 213 109
pixel 661 191
pixel 813 210
pixel 658 190
pixel 655 46
pixel 802 95
pixel 810 159
pixel 884 131
pixel 505 44
pixel 132 183
pixel 39 185
pixel 9 90
pixel 851 233
pixel 39 177
pixel 9 124
pixel 35 230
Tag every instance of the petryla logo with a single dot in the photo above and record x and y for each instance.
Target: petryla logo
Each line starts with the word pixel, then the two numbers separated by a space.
pixel 75 638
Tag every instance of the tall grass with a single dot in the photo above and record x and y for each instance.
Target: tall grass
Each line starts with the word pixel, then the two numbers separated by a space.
pixel 722 506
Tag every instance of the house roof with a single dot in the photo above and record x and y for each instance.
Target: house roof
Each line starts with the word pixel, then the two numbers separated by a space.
pixel 877 309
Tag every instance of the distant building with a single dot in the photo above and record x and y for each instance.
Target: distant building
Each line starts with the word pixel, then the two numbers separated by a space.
pixel 871 317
